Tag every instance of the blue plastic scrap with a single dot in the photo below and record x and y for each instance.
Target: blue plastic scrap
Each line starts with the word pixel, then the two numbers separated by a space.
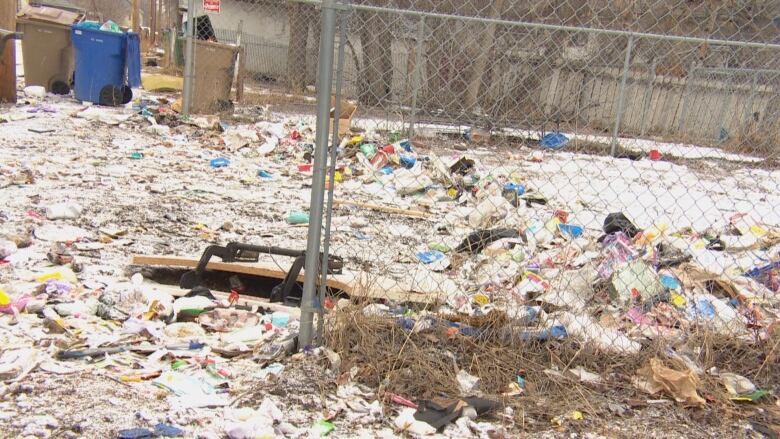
pixel 406 145
pixel 759 271
pixel 670 282
pixel 219 162
pixel 557 332
pixel 430 256
pixel 702 308
pixel 407 161
pixel 518 188
pixel 165 430
pixel 572 230
pixel 134 433
pixel 553 141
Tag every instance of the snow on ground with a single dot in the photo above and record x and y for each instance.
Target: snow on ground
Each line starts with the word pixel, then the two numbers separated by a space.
pixel 170 201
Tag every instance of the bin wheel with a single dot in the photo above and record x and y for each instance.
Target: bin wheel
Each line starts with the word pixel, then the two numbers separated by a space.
pixel 59 87
pixel 127 94
pixel 113 95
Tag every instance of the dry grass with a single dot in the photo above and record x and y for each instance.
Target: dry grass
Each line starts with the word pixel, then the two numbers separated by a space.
pixel 425 364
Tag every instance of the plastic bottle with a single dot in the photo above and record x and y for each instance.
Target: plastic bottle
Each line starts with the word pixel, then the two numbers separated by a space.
pixel 298 218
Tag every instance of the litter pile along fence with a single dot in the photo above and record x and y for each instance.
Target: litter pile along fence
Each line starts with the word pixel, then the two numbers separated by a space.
pixel 701 74
pixel 530 171
pixel 539 201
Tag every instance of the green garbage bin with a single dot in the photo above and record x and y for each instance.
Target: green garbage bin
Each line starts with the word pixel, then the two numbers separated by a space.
pixel 46 47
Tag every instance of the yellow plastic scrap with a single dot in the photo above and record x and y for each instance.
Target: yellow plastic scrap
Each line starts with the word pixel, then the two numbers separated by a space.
pixel 758 230
pixel 337 177
pixel 651 233
pixel 552 225
pixel 355 140
pixel 481 299
pixel 677 300
pixel 152 312
pixel 62 273
pixel 5 299
pixel 516 177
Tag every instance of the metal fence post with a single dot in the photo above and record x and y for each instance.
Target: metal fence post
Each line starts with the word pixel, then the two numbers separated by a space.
pixel 325 78
pixel 188 55
pixel 416 74
pixel 686 95
pixel 724 109
pixel 648 99
pixel 331 175
pixel 622 94
pixel 751 101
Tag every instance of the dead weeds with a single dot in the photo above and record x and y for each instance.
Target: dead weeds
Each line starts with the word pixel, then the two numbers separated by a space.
pixel 384 353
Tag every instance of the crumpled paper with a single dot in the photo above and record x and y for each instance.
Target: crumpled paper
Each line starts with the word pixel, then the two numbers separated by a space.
pixel 655 377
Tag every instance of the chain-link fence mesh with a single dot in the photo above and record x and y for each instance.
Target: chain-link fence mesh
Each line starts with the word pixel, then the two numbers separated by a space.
pixel 278 43
pixel 591 183
pixel 525 189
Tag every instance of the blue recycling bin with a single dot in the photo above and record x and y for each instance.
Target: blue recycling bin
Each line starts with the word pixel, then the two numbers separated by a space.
pixel 108 64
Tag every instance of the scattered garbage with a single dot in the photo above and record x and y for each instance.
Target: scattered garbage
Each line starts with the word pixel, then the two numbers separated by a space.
pixel 63 211
pixel 449 247
pixel 296 218
pixel 554 140
pixel 219 162
pixel 655 377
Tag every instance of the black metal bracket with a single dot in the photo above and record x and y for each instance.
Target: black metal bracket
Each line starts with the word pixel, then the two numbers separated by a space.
pixel 239 252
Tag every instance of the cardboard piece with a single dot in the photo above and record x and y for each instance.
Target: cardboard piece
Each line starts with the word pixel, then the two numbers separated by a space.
pixel 655 377
pixel 347 110
pixel 430 288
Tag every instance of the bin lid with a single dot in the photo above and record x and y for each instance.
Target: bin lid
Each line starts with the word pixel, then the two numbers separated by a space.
pixel 49 15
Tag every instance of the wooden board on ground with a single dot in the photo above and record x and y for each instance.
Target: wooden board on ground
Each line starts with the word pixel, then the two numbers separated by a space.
pixel 421 287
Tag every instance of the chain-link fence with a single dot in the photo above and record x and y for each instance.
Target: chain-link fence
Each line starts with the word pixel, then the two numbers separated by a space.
pixel 520 189
pixel 274 42
pixel 517 182
pixel 578 66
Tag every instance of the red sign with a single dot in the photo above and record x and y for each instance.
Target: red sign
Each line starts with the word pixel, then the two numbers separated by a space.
pixel 212 6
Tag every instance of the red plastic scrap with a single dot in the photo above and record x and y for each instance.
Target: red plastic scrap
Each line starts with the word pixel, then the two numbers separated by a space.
pixel 400 400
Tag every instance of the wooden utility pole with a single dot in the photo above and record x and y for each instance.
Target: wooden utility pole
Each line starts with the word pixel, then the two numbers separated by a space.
pixel 158 22
pixel 8 57
pixel 136 16
pixel 153 21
